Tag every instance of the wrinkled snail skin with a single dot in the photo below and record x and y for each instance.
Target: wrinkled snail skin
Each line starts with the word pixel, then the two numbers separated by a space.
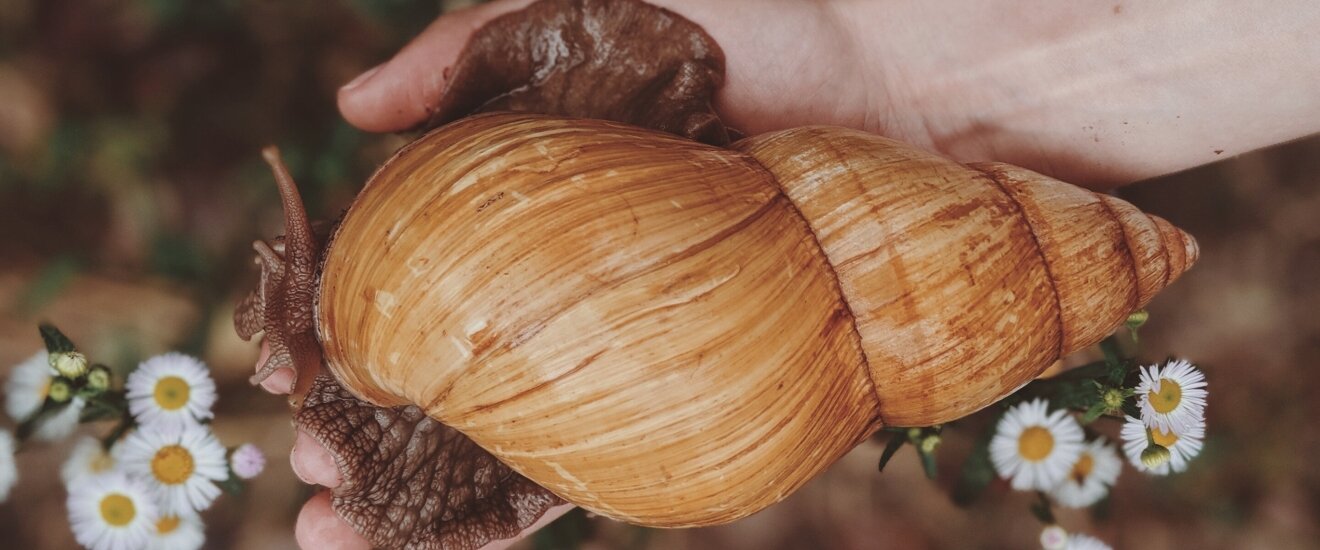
pixel 673 334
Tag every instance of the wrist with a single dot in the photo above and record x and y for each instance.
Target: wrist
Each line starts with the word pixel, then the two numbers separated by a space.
pixel 1094 94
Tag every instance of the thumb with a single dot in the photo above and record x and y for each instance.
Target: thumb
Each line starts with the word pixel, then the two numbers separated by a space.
pixel 398 94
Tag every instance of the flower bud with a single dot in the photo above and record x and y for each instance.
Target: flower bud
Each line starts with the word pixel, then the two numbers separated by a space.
pixel 59 391
pixel 1136 319
pixel 1113 398
pixel 929 443
pixel 1155 455
pixel 70 364
pixel 98 379
pixel 1054 538
pixel 247 461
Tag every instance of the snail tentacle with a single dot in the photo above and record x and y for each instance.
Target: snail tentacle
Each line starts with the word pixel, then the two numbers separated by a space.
pixel 283 303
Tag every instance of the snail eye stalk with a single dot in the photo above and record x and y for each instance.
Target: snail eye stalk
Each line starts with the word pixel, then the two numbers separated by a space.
pixel 282 305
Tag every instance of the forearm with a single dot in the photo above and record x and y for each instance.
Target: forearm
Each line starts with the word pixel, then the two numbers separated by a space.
pixel 1096 93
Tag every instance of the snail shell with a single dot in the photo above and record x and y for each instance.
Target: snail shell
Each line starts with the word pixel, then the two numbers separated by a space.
pixel 673 334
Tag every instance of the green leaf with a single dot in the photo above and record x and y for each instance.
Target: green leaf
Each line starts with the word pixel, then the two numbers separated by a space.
pixel 1089 371
pixel 928 464
pixel 896 442
pixel 1093 413
pixel 1113 353
pixel 977 471
pixel 1042 510
pixel 56 341
pixel 1076 395
pixel 1118 365
pixel 94 412
pixel 1130 408
pixel 232 484
pixel 107 405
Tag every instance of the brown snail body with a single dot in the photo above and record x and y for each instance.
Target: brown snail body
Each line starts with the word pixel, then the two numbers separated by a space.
pixel 675 334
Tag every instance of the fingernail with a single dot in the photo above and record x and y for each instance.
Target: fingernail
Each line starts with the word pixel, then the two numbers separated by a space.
pixel 362 78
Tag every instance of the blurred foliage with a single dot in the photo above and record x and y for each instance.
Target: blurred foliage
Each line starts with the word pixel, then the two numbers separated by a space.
pixel 133 127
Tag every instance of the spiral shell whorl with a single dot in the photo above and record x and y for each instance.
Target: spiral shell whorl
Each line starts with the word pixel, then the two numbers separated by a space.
pixel 1043 268
pixel 642 324
pixel 1106 257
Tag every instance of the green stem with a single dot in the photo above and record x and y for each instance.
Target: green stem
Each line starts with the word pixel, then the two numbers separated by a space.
pixel 125 423
pixel 1113 352
pixel 1043 510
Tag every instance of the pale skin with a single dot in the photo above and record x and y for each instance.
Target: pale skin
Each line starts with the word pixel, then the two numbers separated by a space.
pixel 1097 93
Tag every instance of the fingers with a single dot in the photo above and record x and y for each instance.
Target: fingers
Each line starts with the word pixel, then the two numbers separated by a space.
pixel 313 463
pixel 280 381
pixel 319 527
pixel 779 58
pixel 395 95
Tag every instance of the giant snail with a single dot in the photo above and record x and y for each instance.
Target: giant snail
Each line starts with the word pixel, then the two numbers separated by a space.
pixel 673 334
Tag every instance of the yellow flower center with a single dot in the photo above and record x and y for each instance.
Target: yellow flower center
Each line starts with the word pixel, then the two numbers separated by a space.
pixel 102 462
pixel 1082 468
pixel 1035 443
pixel 1163 439
pixel 1168 398
pixel 117 510
pixel 167 524
pixel 171 393
pixel 172 465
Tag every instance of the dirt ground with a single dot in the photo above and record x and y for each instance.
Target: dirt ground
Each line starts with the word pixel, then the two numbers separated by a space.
pixel 130 189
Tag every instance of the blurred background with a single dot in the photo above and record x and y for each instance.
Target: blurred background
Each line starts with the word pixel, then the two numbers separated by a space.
pixel 131 189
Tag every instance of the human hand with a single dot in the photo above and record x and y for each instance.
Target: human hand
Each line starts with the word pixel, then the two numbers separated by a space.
pixel 319 527
pixel 758 94
pixel 1094 94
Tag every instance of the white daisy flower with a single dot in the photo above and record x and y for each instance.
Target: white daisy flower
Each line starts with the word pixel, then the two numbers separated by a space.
pixel 177 533
pixel 8 470
pixel 111 512
pixel 1182 447
pixel 1078 541
pixel 171 389
pixel 25 392
pixel 247 461
pixel 1034 448
pixel 88 459
pixel 1172 398
pixel 180 466
pixel 1094 472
